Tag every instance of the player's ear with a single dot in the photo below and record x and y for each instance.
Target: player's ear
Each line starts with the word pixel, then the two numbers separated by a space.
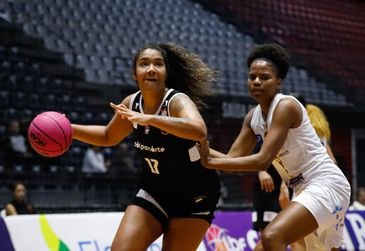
pixel 278 87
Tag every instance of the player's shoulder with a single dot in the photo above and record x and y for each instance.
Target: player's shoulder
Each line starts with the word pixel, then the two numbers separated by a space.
pixel 176 95
pixel 250 112
pixel 179 100
pixel 288 100
pixel 288 104
pixel 130 98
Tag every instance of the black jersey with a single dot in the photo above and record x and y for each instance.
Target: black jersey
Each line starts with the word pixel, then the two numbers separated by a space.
pixel 168 168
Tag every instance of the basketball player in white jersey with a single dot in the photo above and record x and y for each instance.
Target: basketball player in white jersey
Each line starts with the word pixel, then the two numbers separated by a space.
pixel 291 144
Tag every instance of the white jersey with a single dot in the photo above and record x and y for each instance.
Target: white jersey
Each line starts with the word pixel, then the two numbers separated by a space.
pixel 303 162
pixel 302 152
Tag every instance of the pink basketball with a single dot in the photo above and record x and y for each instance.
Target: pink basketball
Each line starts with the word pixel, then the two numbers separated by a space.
pixel 50 134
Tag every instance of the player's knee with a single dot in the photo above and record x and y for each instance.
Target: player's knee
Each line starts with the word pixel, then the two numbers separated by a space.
pixel 271 238
pixel 120 248
pixel 128 245
pixel 259 247
pixel 117 247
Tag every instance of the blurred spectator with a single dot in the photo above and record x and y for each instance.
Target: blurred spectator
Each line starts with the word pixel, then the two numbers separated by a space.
pixel 16 148
pixel 123 170
pixel 122 161
pixel 18 203
pixel 321 125
pixel 359 203
pixel 94 161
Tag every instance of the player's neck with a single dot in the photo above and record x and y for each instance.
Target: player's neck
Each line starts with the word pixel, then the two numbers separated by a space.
pixel 151 103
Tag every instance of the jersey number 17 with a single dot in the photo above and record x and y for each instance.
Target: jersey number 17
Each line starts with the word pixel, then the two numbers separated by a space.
pixel 153 164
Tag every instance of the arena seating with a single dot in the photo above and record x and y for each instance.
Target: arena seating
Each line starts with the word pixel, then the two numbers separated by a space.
pixel 101 37
pixel 324 35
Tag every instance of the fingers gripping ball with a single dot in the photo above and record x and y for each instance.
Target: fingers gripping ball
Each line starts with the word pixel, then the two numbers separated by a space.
pixel 50 134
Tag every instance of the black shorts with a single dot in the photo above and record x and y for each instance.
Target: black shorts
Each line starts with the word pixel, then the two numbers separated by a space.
pixel 265 207
pixel 201 206
pixel 264 212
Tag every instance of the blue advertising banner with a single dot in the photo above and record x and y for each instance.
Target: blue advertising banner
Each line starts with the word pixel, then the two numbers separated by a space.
pixel 5 242
pixel 354 233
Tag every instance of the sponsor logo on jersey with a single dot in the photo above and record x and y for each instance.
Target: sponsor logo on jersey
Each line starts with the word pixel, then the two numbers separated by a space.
pixel 153 149
pixel 283 154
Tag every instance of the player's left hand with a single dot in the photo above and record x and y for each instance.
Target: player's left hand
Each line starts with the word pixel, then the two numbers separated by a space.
pixel 132 116
pixel 203 148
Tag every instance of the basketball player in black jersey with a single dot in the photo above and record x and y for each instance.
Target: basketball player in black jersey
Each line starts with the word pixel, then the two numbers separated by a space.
pixel 177 196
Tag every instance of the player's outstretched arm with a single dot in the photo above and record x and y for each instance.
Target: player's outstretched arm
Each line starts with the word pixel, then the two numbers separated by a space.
pixel 104 135
pixel 184 121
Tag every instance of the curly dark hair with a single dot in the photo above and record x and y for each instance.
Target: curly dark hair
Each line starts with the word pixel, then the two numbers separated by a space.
pixel 186 72
pixel 273 52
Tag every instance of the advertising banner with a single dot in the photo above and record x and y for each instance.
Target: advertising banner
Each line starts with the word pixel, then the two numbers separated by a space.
pixel 354 233
pixel 67 232
pixel 63 232
pixel 230 231
pixel 233 231
pixel 5 242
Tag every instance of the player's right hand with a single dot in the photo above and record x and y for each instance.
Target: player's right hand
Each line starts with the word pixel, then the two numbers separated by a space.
pixel 266 181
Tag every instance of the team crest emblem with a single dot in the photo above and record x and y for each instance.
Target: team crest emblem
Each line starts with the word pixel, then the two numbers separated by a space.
pixel 259 139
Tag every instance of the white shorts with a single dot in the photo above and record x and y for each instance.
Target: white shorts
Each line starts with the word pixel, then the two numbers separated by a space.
pixel 312 242
pixel 328 201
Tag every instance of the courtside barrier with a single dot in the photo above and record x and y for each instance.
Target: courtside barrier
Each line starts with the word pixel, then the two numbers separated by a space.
pixel 230 231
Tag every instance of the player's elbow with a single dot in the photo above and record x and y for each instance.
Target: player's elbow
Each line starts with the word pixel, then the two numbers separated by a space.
pixel 261 167
pixel 263 162
pixel 201 136
pixel 201 133
pixel 109 140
